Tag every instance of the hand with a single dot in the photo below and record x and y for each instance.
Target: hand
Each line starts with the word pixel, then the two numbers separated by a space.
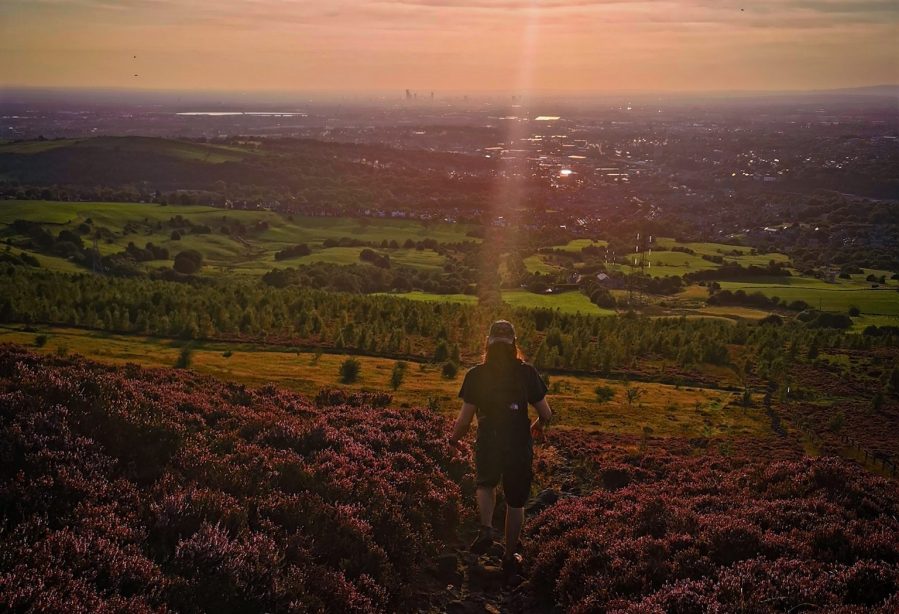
pixel 537 433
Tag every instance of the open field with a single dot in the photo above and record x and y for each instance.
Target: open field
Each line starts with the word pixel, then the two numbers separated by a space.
pixel 883 301
pixel 183 150
pixel 668 410
pixel 880 303
pixel 252 254
pixel 666 263
pixel 566 302
pixel 422 259
pixel 537 264
pixel 51 263
pixel 576 245
pixel 468 299
pixel 733 311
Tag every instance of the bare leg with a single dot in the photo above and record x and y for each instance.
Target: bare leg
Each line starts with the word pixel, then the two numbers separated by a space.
pixel 486 504
pixel 514 522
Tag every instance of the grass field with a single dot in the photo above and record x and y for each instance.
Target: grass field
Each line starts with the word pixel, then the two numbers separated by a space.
pixel 253 255
pixel 32 147
pixel 203 152
pixel 834 297
pixel 566 302
pixel 577 245
pixel 667 263
pixel 537 264
pixel 666 409
pixel 733 311
pixel 467 299
pixel 51 263
pixel 420 259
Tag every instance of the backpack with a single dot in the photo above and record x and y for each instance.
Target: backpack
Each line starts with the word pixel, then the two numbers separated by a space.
pixel 504 407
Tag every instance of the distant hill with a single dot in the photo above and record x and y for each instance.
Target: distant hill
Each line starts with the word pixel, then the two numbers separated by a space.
pixel 871 90
pixel 112 161
pixel 306 171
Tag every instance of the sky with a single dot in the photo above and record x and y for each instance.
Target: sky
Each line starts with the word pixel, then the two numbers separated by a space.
pixel 450 46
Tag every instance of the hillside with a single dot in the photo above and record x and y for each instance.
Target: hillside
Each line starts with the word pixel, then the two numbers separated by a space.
pixel 133 490
pixel 295 172
pixel 144 490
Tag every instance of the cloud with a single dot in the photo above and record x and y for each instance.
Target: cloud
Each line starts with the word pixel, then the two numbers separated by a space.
pixel 248 13
pixel 451 42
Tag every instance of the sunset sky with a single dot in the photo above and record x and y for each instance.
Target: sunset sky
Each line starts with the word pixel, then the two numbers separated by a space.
pixel 539 46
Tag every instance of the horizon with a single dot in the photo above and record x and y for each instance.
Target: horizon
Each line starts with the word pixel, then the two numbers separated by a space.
pixel 455 47
pixel 12 94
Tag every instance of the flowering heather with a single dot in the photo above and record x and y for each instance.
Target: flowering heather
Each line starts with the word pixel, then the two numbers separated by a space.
pixel 672 530
pixel 124 489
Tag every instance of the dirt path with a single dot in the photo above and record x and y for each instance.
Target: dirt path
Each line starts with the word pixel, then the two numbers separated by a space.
pixel 459 582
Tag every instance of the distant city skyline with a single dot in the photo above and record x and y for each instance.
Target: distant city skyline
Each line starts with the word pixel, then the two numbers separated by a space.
pixel 529 47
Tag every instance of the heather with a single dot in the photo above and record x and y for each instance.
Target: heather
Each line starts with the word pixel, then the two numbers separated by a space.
pixel 687 528
pixel 140 490
pixel 128 489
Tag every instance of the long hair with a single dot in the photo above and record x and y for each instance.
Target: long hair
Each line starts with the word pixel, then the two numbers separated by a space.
pixel 502 354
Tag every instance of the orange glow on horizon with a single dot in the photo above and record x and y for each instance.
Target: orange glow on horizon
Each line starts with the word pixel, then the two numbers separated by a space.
pixel 515 46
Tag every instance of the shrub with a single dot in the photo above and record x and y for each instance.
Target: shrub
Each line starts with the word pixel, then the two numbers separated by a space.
pixel 398 374
pixel 184 358
pixel 836 421
pixel 349 370
pixel 450 370
pixel 604 394
pixel 632 394
pixel 294 251
pixel 188 262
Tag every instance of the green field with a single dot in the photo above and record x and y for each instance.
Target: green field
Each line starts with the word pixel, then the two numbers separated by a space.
pixel 666 263
pixel 576 245
pixel 252 255
pixel 537 264
pixel 661 262
pixel 269 232
pixel 837 297
pixel 421 259
pixel 467 299
pixel 566 302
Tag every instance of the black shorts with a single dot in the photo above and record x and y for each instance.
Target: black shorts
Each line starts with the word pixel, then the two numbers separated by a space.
pixel 511 464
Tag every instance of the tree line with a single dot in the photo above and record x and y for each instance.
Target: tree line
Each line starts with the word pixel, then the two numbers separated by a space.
pixel 389 326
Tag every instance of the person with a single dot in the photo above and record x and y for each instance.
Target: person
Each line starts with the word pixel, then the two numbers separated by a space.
pixel 499 391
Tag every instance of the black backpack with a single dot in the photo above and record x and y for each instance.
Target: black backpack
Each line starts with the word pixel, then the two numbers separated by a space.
pixel 504 408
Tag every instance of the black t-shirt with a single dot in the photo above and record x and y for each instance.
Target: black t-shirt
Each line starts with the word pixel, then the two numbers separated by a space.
pixel 501 396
